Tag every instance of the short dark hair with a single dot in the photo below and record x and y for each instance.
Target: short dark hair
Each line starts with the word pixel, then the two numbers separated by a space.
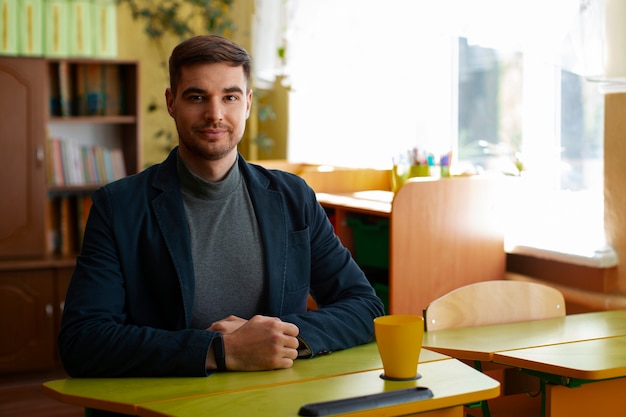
pixel 209 49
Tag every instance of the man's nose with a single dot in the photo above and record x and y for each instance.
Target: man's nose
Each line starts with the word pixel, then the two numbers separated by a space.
pixel 213 111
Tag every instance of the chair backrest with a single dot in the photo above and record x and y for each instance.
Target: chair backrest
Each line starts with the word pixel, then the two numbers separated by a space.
pixel 493 302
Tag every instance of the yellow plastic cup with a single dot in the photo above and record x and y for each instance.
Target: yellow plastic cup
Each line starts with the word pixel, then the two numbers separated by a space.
pixel 399 339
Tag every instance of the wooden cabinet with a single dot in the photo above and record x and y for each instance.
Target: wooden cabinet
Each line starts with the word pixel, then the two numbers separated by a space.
pixel 22 138
pixel 42 216
pixel 32 295
pixel 44 99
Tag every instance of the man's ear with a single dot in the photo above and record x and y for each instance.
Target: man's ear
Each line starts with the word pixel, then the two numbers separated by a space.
pixel 169 100
pixel 249 104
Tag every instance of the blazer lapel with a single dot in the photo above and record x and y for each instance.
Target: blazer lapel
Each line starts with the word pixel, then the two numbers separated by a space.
pixel 169 212
pixel 271 217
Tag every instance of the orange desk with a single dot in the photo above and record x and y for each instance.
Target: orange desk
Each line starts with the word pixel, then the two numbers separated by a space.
pixel 130 395
pixel 371 203
pixel 565 353
pixel 443 234
pixel 567 370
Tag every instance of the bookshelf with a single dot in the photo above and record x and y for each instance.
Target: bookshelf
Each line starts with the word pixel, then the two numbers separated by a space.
pixel 82 106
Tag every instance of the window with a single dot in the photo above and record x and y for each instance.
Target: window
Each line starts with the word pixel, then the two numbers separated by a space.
pixel 371 79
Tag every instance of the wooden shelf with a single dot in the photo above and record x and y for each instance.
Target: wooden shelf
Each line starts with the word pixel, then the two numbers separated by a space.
pixel 34 272
pixel 94 119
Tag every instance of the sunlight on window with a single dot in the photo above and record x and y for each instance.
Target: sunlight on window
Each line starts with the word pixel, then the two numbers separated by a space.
pixel 505 95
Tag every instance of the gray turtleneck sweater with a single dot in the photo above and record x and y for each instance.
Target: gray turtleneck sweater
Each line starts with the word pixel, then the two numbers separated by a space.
pixel 225 246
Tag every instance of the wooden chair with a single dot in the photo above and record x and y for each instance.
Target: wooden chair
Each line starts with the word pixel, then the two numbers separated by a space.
pixel 496 302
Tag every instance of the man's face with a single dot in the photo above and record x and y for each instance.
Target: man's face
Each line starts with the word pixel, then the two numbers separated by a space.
pixel 210 109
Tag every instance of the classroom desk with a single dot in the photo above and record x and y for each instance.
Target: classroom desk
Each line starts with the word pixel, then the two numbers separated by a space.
pixel 567 354
pixel 481 343
pixel 125 395
pixel 443 233
pixel 576 365
pixel 375 203
pixel 452 383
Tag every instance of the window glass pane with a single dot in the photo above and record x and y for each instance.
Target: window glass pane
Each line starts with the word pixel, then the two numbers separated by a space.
pixel 492 87
pixel 582 131
pixel 489 108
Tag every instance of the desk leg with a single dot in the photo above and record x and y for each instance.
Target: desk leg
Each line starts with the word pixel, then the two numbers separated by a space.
pixel 602 398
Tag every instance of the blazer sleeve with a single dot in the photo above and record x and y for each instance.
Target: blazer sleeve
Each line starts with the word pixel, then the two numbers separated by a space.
pixel 347 302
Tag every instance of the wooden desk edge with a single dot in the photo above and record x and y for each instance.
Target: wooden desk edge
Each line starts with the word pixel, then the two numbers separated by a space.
pixel 87 402
pixel 490 390
pixel 559 371
pixel 463 355
pixel 348 201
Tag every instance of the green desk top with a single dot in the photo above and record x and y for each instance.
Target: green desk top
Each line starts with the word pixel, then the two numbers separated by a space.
pixel 124 394
pixel 480 343
pixel 452 383
pixel 587 360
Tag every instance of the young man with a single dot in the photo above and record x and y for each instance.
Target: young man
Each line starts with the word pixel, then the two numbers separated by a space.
pixel 205 262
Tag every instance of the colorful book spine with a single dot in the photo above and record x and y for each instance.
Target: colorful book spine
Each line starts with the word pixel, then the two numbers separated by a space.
pixel 56 24
pixel 30 27
pixel 80 38
pixel 66 95
pixel 112 90
pixel 8 27
pixel 73 164
pixel 104 32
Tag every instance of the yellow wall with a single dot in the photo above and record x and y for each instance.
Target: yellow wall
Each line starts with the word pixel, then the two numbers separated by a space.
pixel 134 44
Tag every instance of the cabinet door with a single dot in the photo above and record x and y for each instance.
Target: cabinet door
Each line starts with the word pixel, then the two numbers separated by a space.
pixel 27 300
pixel 22 139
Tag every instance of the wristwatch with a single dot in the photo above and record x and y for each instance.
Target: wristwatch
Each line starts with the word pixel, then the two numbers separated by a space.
pixel 218 351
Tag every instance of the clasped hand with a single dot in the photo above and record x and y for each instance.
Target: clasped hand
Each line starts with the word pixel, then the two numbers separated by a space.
pixel 259 344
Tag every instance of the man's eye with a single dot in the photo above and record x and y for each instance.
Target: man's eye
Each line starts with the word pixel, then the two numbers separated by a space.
pixel 231 98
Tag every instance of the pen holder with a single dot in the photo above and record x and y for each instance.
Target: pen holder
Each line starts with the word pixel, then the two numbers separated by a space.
pixel 421 170
pixel 401 173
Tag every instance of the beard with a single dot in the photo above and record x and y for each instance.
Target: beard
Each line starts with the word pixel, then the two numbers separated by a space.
pixel 208 149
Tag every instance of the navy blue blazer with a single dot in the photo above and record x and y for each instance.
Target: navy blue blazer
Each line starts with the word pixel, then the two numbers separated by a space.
pixel 129 304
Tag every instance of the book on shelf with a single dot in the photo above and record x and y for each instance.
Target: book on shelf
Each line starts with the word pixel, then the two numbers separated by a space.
pixel 89 82
pixel 8 27
pixel 68 226
pixel 66 219
pixel 97 89
pixel 117 159
pixel 54 92
pixel 112 89
pixel 56 21
pixel 80 37
pixel 104 31
pixel 76 164
pixel 66 93
pixel 30 27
